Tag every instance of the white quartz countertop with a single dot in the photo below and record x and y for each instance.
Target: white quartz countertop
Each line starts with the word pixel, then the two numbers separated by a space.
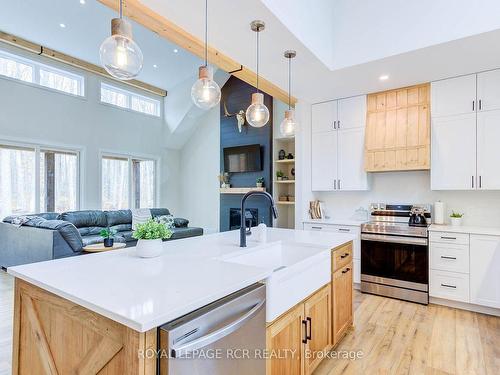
pixel 489 231
pixel 337 221
pixel 146 293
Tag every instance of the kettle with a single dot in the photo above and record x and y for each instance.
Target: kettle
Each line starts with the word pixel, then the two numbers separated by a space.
pixel 417 217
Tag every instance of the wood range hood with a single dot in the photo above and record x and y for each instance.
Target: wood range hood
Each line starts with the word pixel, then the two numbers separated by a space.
pixel 137 12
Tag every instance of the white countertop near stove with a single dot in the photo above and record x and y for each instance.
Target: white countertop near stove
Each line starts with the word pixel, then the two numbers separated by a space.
pixel 348 222
pixel 146 293
pixel 489 231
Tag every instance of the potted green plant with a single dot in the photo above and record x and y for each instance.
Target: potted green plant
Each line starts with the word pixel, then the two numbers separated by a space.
pixel 259 182
pixel 149 236
pixel 108 234
pixel 456 218
pixel 279 175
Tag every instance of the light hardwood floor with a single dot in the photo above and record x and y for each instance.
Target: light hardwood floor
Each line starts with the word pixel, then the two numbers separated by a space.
pixel 395 337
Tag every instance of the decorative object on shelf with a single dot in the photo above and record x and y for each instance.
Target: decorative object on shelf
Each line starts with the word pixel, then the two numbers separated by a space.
pixel 288 126
pixel 279 175
pixel 149 238
pixel 283 198
pixel 257 113
pixel 315 209
pixel 119 54
pixel 289 156
pixel 259 182
pixel 281 155
pixel 439 209
pixel 291 198
pixel 205 92
pixel 224 180
pixel 292 172
pixel 108 235
pixel 240 116
pixel 456 218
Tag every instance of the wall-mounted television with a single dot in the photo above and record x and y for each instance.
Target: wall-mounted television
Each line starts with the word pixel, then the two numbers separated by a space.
pixel 242 159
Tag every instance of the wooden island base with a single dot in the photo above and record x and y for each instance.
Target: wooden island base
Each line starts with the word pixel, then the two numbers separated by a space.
pixel 55 336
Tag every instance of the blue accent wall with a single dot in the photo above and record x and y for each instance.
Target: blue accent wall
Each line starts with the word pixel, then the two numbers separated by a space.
pixel 237 95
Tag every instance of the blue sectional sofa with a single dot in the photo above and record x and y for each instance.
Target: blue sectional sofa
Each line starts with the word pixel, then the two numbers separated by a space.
pixel 51 235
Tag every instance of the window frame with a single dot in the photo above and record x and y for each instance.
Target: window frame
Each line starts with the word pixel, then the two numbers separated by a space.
pixel 129 95
pixel 37 148
pixel 37 66
pixel 130 158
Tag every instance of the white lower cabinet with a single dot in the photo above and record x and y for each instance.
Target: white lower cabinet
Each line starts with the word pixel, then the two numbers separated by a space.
pixel 485 270
pixel 350 229
pixel 449 257
pixel 449 285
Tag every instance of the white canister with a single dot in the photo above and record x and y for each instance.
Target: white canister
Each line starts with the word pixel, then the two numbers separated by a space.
pixel 262 230
pixel 149 248
pixel 439 212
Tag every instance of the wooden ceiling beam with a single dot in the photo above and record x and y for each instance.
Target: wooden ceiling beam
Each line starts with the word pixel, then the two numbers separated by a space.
pixel 153 21
pixel 73 61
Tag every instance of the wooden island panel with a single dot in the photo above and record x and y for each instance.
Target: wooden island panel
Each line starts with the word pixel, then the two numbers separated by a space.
pixel 55 336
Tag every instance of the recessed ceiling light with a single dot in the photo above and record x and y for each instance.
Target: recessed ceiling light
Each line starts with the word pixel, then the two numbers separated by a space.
pixel 384 77
pixel 155 66
pixel 62 25
pixel 176 50
pixel 82 2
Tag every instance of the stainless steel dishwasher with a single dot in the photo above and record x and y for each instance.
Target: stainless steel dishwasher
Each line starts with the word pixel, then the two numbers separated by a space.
pixel 225 337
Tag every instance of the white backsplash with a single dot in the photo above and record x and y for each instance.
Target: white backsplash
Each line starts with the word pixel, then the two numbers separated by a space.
pixel 481 208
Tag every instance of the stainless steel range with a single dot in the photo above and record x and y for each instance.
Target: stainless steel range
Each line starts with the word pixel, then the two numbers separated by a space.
pixel 395 252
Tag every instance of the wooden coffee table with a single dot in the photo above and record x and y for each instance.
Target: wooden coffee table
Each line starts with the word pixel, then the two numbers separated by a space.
pixel 99 247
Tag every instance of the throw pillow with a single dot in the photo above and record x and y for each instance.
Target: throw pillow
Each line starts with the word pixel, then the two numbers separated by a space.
pixel 167 220
pixel 179 222
pixel 140 216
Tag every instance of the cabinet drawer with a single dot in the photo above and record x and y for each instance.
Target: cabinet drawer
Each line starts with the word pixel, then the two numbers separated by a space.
pixel 341 257
pixel 449 285
pixel 449 237
pixel 449 257
pixel 321 227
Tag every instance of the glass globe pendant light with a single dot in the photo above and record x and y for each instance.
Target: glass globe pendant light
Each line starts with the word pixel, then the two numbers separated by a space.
pixel 205 92
pixel 120 55
pixel 288 126
pixel 257 113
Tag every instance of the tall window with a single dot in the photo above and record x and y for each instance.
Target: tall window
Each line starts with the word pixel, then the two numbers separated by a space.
pixel 26 70
pixel 128 182
pixel 54 189
pixel 129 100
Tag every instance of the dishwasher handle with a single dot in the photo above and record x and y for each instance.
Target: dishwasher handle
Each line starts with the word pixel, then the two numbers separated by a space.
pixel 188 347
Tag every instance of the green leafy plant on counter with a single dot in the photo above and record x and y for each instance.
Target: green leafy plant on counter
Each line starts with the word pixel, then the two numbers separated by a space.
pixel 456 215
pixel 260 180
pixel 152 230
pixel 107 233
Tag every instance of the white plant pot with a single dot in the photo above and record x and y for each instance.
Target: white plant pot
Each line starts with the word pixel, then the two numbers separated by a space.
pixel 259 184
pixel 148 248
pixel 456 221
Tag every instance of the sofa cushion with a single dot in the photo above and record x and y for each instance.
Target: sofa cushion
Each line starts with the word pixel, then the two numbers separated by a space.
pixel 90 231
pixel 67 230
pixel 121 228
pixel 88 218
pixel 159 212
pixel 179 222
pixel 118 217
pixel 127 236
pixel 178 233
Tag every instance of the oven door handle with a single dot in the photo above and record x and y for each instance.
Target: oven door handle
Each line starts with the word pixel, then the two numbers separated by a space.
pixel 394 239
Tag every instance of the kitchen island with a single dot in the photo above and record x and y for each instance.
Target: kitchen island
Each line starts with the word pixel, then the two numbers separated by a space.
pixel 96 312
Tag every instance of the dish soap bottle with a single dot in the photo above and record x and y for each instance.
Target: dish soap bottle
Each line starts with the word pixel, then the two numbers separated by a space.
pixel 262 231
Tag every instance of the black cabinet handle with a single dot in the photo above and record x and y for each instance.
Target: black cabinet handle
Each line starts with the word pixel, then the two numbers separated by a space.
pixel 309 336
pixel 346 270
pixel 480 104
pixel 316 228
pixel 344 256
pixel 304 340
pixel 473 105
pixel 344 230
pixel 448 238
pixel 445 257
pixel 335 124
pixel 449 286
pixel 480 182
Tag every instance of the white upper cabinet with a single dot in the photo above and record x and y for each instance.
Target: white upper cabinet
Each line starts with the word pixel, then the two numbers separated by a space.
pixel 454 96
pixel 488 90
pixel 324 117
pixel 488 150
pixel 351 162
pixel 324 161
pixel 485 270
pixel 352 112
pixel 453 153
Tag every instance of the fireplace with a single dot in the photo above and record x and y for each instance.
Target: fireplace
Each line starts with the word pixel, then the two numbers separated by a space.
pixel 251 217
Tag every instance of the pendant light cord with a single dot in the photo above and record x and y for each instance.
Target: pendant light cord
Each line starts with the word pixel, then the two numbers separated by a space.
pixel 258 32
pixel 289 82
pixel 206 32
pixel 121 9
